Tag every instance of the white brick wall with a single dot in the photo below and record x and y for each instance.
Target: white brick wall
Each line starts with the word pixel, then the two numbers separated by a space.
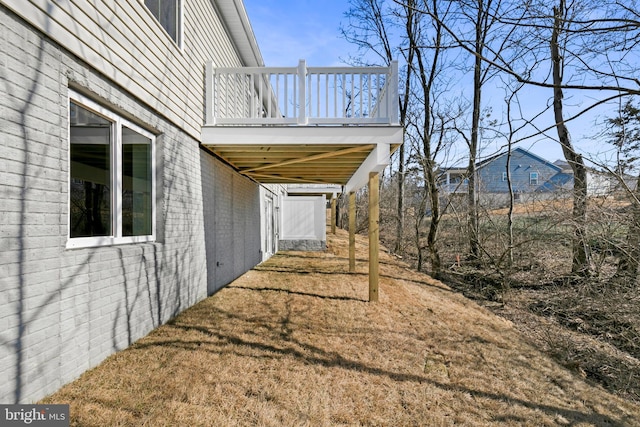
pixel 64 311
pixel 232 222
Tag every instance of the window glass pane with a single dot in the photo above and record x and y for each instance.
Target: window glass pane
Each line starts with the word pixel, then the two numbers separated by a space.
pixel 90 187
pixel 136 184
pixel 169 17
pixel 154 7
pixel 167 12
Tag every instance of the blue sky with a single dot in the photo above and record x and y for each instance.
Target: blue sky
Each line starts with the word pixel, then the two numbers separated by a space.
pixel 290 30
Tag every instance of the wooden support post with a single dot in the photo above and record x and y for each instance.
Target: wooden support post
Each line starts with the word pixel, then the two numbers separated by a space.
pixel 352 232
pixel 333 215
pixel 339 221
pixel 374 235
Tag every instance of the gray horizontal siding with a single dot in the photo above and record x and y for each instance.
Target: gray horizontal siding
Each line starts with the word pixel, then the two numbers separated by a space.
pixel 522 166
pixel 123 41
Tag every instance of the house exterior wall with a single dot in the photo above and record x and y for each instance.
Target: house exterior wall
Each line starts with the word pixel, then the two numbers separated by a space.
pixel 599 184
pixel 231 205
pixel 522 165
pixel 124 42
pixel 63 311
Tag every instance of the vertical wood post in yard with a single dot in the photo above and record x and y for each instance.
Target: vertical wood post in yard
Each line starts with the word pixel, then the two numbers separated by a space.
pixel 352 232
pixel 333 215
pixel 374 235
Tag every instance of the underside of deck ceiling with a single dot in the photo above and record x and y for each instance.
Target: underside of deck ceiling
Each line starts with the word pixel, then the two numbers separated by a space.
pixel 328 164
pixel 289 156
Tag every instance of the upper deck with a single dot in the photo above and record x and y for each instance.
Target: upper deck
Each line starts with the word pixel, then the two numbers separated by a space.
pixel 323 125
pixel 302 95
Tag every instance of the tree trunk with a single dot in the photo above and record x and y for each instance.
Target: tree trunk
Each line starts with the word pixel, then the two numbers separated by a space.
pixel 417 228
pixel 511 206
pixel 580 264
pixel 472 198
pixel 432 237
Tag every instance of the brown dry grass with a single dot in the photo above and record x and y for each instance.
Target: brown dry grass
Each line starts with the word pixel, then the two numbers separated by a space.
pixel 294 342
pixel 560 205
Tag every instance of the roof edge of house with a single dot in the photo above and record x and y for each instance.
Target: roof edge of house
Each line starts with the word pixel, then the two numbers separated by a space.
pixel 236 20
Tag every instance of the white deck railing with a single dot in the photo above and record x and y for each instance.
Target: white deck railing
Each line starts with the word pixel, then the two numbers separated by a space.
pixel 454 188
pixel 301 95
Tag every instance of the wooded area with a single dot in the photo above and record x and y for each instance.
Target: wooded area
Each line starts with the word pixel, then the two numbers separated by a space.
pixel 480 78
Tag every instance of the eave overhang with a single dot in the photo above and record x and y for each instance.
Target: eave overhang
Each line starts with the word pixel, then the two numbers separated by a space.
pixel 235 18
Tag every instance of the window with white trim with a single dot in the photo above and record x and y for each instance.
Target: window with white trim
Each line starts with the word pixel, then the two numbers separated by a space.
pixel 504 176
pixel 111 177
pixel 169 15
pixel 533 178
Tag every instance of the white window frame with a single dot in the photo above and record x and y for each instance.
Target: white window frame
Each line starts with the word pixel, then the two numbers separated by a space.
pixel 179 30
pixel 533 181
pixel 504 176
pixel 116 238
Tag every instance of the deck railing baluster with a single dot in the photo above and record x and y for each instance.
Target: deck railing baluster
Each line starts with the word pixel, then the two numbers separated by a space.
pixel 304 96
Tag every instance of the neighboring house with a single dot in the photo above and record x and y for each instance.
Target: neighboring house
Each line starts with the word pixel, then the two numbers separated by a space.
pixel 134 183
pixel 453 180
pixel 599 183
pixel 529 174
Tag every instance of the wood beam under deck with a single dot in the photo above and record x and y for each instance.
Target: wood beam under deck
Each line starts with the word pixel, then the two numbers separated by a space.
pixel 274 179
pixel 321 156
pixel 304 154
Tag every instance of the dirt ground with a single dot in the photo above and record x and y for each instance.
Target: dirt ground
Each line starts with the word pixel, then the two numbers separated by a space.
pixel 295 342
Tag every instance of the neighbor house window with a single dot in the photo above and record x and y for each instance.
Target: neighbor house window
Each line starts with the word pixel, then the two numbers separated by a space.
pixel 533 178
pixel 504 176
pixel 169 15
pixel 112 185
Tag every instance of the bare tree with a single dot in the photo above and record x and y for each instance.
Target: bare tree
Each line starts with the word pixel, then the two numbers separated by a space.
pixel 488 38
pixel 429 125
pixel 561 22
pixel 481 28
pixel 590 47
pixel 369 23
pixel 510 136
